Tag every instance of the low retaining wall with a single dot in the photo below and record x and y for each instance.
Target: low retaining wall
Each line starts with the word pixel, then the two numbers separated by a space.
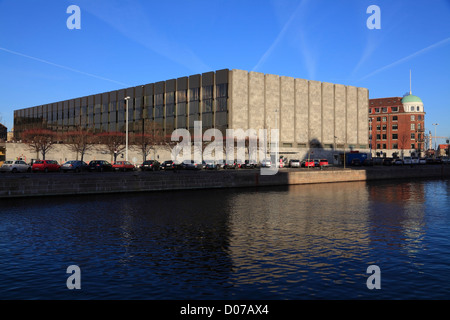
pixel 24 185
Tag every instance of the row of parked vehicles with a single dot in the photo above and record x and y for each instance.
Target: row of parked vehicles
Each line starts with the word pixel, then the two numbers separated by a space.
pixel 103 165
pixel 72 165
pixel 308 163
pixel 400 162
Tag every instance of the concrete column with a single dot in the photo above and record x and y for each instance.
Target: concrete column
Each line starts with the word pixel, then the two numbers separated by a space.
pixel 256 100
pixel 327 113
pixel 315 111
pixel 287 111
pixel 340 113
pixel 363 116
pixel 352 115
pixel 301 111
pixel 238 99
pixel 272 101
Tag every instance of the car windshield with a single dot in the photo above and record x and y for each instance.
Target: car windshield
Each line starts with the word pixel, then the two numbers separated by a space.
pixel 39 162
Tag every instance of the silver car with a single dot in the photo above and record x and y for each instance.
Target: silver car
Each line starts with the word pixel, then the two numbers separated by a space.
pixel 294 163
pixel 407 160
pixel 15 166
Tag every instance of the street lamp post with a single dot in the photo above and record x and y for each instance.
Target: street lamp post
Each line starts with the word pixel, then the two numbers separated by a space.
pixel 126 128
pixel 435 138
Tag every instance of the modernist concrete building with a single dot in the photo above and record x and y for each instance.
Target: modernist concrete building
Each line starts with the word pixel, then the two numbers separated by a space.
pixel 318 118
pixel 397 126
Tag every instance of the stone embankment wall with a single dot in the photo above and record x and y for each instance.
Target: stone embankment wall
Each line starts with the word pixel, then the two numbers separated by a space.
pixel 40 184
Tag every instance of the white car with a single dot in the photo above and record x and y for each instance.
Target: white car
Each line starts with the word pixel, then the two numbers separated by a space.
pixel 15 166
pixel 415 160
pixel 266 163
pixel 294 163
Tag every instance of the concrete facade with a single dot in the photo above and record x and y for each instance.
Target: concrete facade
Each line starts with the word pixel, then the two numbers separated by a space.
pixel 313 117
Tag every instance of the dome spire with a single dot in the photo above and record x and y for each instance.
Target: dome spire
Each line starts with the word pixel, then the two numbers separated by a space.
pixel 410 92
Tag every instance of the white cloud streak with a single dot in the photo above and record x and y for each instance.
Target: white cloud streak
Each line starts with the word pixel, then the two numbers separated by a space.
pixel 61 66
pixel 279 37
pixel 130 19
pixel 411 56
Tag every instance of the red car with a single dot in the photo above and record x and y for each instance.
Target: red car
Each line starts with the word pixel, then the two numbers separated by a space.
pixel 45 166
pixel 308 163
pixel 123 166
pixel 323 162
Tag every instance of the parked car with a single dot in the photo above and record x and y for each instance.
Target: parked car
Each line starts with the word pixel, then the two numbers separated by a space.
pixel 229 164
pixel 15 166
pixel 123 166
pixel 316 163
pixel 191 165
pixel 445 160
pixel 323 163
pixel 308 163
pixel 415 160
pixel 293 163
pixel 377 161
pixel 398 162
pixel 211 165
pixel 368 162
pixel 240 164
pixel 356 162
pixel 387 162
pixel 100 165
pixel 150 165
pixel 168 165
pixel 45 166
pixel 266 163
pixel 407 160
pixel 75 166
pixel 429 160
pixel 250 164
pixel 422 161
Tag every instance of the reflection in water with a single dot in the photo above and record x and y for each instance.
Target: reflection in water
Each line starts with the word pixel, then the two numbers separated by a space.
pixel 301 242
pixel 306 230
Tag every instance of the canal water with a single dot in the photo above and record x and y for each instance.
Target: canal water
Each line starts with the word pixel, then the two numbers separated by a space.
pixel 282 243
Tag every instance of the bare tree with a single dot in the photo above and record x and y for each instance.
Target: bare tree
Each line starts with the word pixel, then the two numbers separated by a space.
pixel 79 141
pixel 40 140
pixel 404 142
pixel 149 140
pixel 114 142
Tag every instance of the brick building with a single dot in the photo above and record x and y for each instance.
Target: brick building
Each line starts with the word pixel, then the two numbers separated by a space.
pixel 443 150
pixel 397 126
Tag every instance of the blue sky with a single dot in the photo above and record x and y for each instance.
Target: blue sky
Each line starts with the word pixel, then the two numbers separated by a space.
pixel 130 42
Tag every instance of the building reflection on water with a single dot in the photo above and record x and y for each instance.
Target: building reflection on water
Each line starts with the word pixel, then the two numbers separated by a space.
pixel 313 229
pixel 225 243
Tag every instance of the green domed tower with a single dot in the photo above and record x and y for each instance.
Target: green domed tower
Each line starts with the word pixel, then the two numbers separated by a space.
pixel 412 103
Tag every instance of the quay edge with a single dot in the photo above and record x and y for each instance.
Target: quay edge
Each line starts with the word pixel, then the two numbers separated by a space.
pixel 58 184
